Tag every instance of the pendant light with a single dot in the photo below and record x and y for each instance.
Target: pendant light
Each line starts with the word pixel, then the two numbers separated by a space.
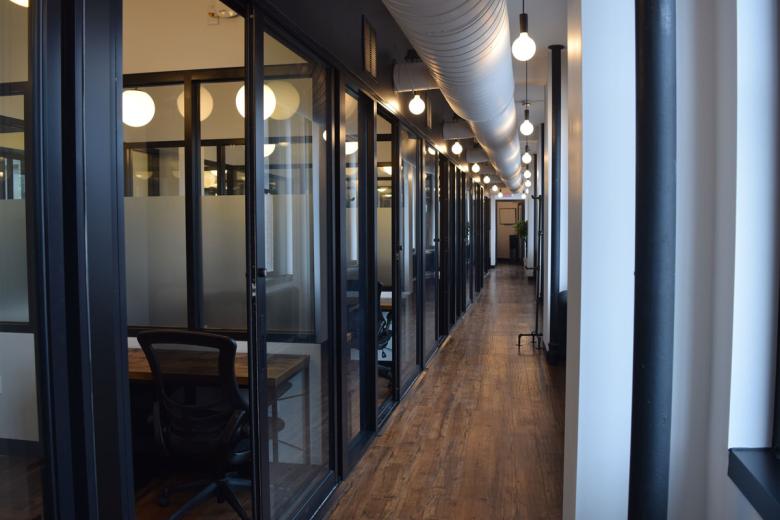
pixel 527 157
pixel 527 183
pixel 524 47
pixel 500 195
pixel 269 101
pixel 457 148
pixel 416 105
pixel 523 196
pixel 486 179
pixel 475 168
pixel 137 108
pixel 527 174
pixel 494 188
pixel 526 127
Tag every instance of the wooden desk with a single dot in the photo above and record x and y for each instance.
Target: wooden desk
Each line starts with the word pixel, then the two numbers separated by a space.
pixel 281 368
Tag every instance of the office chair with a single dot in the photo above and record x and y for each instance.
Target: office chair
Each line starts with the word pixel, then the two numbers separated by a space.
pixel 199 416
pixel 384 333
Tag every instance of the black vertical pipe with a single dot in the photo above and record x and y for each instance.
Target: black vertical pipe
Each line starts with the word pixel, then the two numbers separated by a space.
pixel 654 262
pixel 554 352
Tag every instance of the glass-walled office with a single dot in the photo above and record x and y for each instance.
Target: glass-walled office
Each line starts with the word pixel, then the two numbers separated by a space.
pixel 281 257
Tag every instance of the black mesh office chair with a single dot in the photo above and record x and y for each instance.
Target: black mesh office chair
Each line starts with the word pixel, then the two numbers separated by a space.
pixel 384 334
pixel 200 418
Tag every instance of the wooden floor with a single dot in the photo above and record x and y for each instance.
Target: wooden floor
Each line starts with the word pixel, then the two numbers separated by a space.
pixel 481 435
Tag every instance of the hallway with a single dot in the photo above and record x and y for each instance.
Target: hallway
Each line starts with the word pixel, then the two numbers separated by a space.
pixel 482 434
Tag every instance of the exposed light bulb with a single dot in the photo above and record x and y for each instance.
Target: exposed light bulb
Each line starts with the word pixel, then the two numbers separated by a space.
pixel 324 135
pixel 494 188
pixel 486 179
pixel 523 196
pixel 524 47
pixel 431 150
pixel 475 168
pixel 457 148
pixel 206 103
pixel 527 157
pixel 500 195
pixel 417 105
pixel 269 101
pixel 268 149
pixel 526 127
pixel 527 174
pixel 137 108
pixel 526 191
pixel 350 147
pixel 527 183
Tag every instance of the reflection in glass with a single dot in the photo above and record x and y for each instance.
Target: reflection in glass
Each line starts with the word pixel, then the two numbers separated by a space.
pixel 385 381
pixel 155 229
pixel 355 291
pixel 20 468
pixel 430 258
pixel 467 252
pixel 298 339
pixel 407 206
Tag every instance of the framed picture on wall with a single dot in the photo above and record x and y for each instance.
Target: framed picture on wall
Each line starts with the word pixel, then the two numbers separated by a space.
pixel 507 216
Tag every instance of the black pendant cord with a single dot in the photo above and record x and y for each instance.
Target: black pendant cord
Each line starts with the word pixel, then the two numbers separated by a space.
pixel 535 334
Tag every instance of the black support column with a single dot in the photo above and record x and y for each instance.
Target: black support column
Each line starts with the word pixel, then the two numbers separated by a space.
pixel 655 251
pixel 555 349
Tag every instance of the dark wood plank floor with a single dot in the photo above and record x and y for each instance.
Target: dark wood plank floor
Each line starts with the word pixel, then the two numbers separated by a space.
pixel 481 436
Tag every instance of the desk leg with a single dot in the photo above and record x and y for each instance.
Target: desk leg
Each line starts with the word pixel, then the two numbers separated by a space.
pixel 306 418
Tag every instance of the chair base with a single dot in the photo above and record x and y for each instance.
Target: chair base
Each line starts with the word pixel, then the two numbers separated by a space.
pixel 222 489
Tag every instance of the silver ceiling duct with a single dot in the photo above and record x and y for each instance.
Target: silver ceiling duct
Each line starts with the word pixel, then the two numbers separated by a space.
pixel 465 45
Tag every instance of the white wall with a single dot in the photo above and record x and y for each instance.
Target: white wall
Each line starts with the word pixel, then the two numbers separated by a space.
pixel 601 159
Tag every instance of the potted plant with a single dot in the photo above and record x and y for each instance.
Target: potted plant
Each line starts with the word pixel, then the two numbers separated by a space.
pixel 521 228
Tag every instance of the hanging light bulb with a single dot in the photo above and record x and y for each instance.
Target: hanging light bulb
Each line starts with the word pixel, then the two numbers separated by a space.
pixel 457 148
pixel 486 179
pixel 527 183
pixel 527 174
pixel 417 105
pixel 475 168
pixel 524 47
pixel 431 150
pixel 475 179
pixel 527 157
pixel 494 188
pixel 137 108
pixel 268 149
pixel 526 127
pixel 523 196
pixel 350 147
pixel 269 101
pixel 527 190
pixel 500 195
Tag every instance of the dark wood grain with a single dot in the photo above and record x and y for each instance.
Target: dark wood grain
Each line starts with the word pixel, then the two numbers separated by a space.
pixel 481 435
pixel 281 367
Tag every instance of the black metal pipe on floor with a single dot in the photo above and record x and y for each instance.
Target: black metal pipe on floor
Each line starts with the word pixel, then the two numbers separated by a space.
pixel 555 348
pixel 654 261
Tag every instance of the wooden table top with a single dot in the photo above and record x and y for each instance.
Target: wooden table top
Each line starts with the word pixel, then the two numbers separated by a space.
pixel 281 367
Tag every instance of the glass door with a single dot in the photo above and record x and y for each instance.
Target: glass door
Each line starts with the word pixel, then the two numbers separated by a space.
pixel 292 320
pixel 430 259
pixel 384 236
pixel 407 218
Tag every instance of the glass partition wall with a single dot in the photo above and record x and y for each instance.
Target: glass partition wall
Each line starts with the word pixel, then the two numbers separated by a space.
pixel 21 454
pixel 407 217
pixel 430 257
pixel 385 181
pixel 186 188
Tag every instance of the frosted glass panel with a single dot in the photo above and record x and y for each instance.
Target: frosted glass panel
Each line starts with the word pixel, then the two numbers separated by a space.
pixel 155 255
pixel 224 262
pixel 13 259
